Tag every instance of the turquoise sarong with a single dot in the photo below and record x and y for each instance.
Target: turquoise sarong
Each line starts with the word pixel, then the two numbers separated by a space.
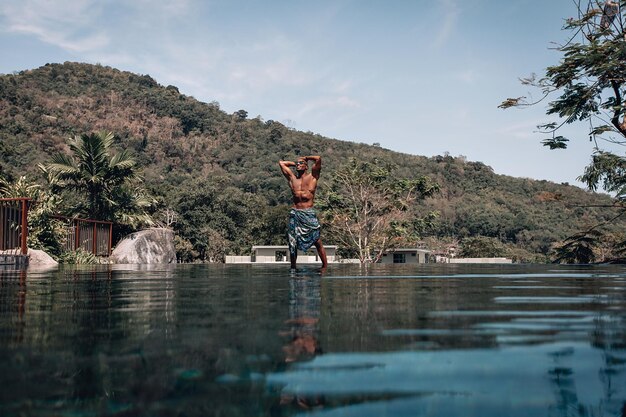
pixel 303 231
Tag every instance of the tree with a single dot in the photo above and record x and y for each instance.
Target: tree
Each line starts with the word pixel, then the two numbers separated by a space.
pixel 218 219
pixel 368 210
pixel 241 114
pixel 107 186
pixel 215 245
pixel 590 85
pixel 578 249
pixel 481 247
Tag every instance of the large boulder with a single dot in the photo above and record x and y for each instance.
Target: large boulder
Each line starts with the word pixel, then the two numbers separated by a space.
pixel 150 246
pixel 40 259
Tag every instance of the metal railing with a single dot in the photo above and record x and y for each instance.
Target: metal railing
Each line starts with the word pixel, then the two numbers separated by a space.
pixel 93 236
pixel 14 225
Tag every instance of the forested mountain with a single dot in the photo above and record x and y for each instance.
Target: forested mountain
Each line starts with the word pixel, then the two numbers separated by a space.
pixel 219 171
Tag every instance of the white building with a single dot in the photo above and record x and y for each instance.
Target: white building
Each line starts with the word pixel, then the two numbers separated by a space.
pixel 405 256
pixel 480 261
pixel 280 254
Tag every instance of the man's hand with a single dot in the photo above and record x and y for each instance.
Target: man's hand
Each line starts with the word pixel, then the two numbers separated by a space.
pixel 284 167
pixel 317 166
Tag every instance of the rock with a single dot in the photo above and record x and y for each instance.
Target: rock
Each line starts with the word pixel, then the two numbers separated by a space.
pixel 39 259
pixel 150 246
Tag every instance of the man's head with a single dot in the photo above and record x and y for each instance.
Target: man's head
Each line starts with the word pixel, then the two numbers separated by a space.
pixel 301 165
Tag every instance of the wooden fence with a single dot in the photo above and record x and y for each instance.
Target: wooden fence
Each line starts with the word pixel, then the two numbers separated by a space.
pixel 93 236
pixel 14 225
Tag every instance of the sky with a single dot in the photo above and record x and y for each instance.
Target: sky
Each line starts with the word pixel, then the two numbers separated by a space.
pixel 416 76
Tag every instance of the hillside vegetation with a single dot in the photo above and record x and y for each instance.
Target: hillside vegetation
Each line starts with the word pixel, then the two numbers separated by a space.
pixel 219 171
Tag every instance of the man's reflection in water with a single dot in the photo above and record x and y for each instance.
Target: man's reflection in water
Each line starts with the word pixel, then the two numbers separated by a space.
pixel 303 333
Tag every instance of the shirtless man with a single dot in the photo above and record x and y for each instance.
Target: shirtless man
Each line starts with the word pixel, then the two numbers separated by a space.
pixel 304 228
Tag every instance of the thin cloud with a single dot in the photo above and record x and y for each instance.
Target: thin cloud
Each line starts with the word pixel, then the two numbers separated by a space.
pixel 68 24
pixel 521 130
pixel 451 13
pixel 467 76
pixel 327 104
pixel 342 86
pixel 168 9
pixel 138 39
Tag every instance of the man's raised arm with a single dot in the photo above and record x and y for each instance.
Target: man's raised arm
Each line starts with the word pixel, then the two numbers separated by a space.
pixel 284 167
pixel 317 165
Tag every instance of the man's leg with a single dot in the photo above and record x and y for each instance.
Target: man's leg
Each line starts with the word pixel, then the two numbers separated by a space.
pixel 292 258
pixel 321 252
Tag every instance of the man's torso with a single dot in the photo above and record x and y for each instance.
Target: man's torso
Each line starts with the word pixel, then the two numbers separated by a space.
pixel 303 190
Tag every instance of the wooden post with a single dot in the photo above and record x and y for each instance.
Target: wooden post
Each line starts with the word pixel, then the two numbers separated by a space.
pixel 94 244
pixel 76 234
pixel 3 215
pixel 110 237
pixel 24 225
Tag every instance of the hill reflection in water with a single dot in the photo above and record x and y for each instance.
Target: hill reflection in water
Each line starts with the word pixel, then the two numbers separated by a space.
pixel 434 340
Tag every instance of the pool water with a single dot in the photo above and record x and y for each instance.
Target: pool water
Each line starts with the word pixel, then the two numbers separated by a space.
pixel 236 340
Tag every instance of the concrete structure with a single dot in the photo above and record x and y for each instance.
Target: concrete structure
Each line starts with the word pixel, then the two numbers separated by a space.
pixel 10 261
pixel 405 256
pixel 280 254
pixel 480 261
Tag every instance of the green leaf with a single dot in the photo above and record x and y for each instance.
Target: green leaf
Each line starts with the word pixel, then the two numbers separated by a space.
pixel 557 142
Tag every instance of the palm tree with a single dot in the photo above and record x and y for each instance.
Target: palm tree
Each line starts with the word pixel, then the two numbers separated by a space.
pixel 107 185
